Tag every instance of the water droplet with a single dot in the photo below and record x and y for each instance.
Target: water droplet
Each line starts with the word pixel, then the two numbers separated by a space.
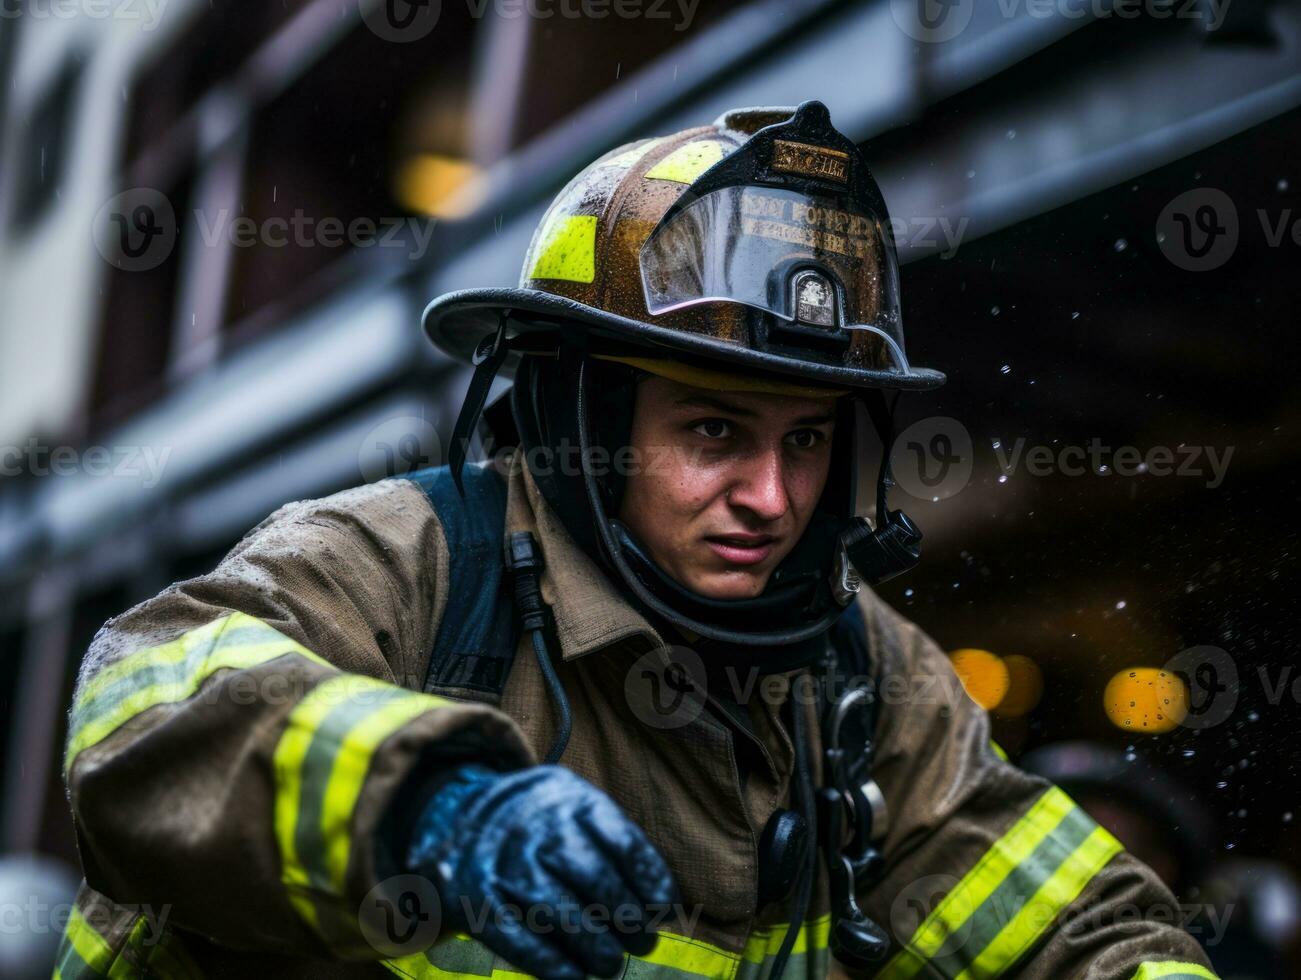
pixel 908 592
pixel 995 311
pixel 1221 785
pixel 1075 315
pixel 1287 817
pixel 1011 134
pixel 1121 245
pixel 970 174
pixel 1003 478
pixel 1120 604
pixel 1282 183
pixel 1006 369
pixel 1189 753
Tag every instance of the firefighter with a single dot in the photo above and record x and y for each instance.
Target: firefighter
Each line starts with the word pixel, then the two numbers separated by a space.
pixel 622 702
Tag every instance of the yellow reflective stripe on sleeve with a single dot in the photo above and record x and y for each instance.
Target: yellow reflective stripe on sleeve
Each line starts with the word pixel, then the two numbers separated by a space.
pixel 171 673
pixel 321 762
pixel 997 750
pixel 1011 896
pixel 84 953
pixel 92 948
pixel 566 249
pixel 687 162
pixel 1172 970
pixel 1033 918
pixel 351 765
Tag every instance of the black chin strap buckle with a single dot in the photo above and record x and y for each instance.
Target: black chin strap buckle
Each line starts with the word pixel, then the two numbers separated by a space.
pixel 880 554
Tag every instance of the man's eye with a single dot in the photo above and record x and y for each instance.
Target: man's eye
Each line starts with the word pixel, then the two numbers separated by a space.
pixel 804 438
pixel 713 429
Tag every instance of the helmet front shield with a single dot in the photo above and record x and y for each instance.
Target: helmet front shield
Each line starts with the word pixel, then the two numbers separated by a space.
pixel 791 225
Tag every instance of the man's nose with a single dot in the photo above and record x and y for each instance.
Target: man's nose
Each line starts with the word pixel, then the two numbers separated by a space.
pixel 761 487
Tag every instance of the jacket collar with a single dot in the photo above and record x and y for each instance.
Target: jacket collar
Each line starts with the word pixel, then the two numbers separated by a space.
pixel 590 612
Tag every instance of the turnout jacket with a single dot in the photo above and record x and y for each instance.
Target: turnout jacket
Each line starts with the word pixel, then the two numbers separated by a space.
pixel 236 741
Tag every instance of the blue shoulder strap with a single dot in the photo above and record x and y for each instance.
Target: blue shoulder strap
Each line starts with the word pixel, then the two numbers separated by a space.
pixel 476 638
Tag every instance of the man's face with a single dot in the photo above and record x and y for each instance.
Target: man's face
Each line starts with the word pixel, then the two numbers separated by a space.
pixel 727 481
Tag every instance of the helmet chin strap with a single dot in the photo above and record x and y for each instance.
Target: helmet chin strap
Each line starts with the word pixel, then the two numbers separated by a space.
pixel 894 545
pixel 489 356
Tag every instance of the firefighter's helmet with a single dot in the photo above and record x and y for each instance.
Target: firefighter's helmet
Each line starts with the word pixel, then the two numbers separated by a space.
pixel 758 246
pixel 761 241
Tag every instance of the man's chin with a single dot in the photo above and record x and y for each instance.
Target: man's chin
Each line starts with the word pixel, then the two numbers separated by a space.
pixel 731 584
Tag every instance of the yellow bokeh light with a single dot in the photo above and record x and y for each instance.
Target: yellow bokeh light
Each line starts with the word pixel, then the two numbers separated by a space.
pixel 1145 699
pixel 983 675
pixel 1025 686
pixel 440 186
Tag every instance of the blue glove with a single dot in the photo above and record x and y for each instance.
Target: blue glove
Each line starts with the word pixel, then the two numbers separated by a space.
pixel 549 844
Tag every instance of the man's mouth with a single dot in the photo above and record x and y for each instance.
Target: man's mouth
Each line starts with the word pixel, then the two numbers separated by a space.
pixel 742 548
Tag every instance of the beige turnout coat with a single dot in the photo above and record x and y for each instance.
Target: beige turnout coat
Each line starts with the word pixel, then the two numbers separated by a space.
pixel 235 741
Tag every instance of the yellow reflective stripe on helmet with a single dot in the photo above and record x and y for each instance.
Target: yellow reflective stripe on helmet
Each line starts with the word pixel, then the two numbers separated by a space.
pixel 1172 970
pixel 566 248
pixel 674 957
pixel 171 673
pixel 687 162
pixel 321 762
pixel 1004 903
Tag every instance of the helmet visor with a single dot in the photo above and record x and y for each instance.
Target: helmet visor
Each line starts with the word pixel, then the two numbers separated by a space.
pixel 809 260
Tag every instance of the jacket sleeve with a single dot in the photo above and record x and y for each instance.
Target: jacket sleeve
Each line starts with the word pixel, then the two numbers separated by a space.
pixel 235 741
pixel 989 870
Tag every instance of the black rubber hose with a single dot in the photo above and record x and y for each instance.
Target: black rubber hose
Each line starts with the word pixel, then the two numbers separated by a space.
pixel 802 790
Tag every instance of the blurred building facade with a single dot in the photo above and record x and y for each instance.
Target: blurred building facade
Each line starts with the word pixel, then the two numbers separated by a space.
pixel 155 406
